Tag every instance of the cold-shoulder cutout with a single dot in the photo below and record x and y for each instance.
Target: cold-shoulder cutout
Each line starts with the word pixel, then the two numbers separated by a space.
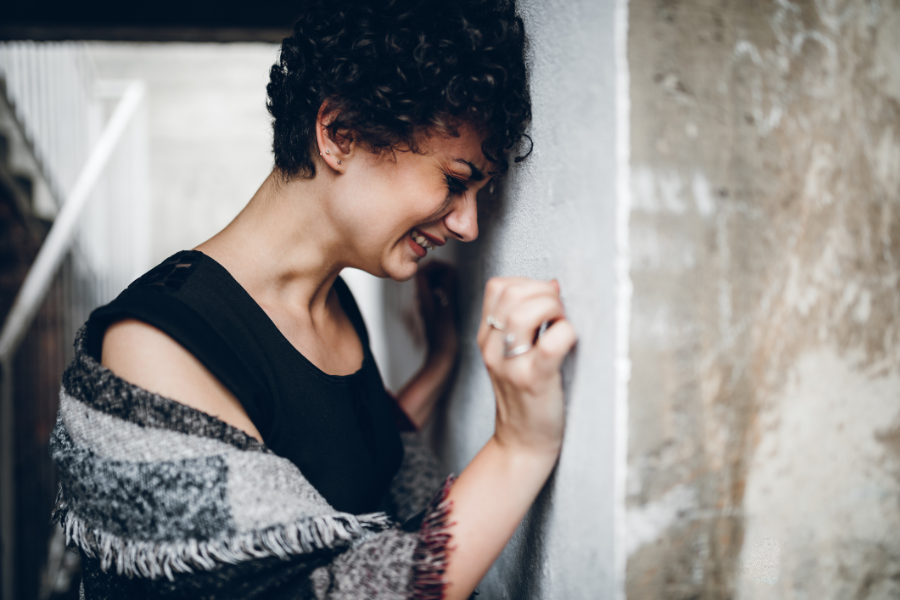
pixel 143 355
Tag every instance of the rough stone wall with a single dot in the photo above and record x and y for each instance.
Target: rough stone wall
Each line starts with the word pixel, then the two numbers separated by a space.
pixel 764 404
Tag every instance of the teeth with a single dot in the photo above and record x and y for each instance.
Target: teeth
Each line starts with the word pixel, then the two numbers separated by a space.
pixel 421 240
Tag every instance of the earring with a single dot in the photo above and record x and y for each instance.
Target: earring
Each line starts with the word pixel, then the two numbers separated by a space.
pixel 327 152
pixel 339 162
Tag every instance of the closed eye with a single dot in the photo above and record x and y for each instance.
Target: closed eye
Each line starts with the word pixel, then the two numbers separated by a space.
pixel 455 185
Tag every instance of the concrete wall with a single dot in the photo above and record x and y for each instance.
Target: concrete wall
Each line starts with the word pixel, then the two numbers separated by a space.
pixel 764 430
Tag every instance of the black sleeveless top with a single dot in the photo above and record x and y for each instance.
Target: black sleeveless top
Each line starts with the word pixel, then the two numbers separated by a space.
pixel 339 430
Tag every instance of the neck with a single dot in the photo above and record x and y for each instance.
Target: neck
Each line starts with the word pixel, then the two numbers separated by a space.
pixel 282 248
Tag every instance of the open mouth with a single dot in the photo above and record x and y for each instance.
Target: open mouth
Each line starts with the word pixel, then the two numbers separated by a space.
pixel 422 241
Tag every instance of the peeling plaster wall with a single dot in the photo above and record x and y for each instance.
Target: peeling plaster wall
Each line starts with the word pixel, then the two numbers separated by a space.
pixel 764 404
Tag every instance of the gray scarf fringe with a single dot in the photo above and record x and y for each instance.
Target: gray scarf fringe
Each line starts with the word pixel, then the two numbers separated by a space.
pixel 156 559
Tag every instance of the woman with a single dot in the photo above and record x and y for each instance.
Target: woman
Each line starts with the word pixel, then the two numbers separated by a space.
pixel 237 440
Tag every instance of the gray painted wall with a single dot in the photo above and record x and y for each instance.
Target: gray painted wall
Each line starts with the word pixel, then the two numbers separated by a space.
pixel 556 219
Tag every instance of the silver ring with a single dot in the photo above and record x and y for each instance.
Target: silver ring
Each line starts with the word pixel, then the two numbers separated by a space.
pixel 493 322
pixel 512 352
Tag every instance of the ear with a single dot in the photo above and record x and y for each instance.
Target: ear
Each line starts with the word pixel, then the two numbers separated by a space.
pixel 334 150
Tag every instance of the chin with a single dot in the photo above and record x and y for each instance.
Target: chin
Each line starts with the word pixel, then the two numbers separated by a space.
pixel 401 272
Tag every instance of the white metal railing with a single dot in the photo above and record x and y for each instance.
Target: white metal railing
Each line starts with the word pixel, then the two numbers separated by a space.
pixel 89 140
pixel 63 233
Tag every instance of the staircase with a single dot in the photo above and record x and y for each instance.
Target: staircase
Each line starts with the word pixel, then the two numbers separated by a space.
pixel 73 215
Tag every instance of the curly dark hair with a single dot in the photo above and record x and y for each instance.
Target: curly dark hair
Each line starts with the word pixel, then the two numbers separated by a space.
pixel 392 70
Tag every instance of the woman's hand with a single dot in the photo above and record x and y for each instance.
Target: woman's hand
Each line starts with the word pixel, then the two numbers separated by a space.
pixel 437 289
pixel 495 491
pixel 524 363
pixel 436 286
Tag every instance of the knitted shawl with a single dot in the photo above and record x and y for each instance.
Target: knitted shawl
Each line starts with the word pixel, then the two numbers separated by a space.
pixel 164 500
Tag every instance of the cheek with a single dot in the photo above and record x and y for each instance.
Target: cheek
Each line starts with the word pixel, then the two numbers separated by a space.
pixel 391 198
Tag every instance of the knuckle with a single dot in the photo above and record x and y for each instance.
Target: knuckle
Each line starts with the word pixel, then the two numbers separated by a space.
pixel 517 320
pixel 490 361
pixel 494 285
pixel 547 352
pixel 511 294
pixel 570 334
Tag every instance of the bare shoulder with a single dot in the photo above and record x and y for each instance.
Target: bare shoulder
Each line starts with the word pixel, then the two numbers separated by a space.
pixel 145 356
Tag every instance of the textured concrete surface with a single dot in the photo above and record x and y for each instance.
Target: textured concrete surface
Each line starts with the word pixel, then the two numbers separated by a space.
pixel 764 430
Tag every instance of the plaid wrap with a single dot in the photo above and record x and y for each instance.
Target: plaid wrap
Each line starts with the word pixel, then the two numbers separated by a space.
pixel 162 499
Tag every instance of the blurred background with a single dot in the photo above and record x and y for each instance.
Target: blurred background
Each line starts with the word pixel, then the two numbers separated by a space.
pixel 715 184
pixel 184 137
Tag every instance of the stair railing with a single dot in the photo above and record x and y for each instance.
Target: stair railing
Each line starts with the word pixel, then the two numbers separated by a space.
pixel 62 233
pixel 95 213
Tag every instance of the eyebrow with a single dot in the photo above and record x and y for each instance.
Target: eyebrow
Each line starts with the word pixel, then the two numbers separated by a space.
pixel 476 175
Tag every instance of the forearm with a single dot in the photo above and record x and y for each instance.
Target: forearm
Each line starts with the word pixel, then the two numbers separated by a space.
pixel 489 500
pixel 420 395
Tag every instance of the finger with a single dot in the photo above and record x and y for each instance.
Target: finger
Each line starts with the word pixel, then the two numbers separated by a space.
pixel 526 320
pixel 506 292
pixel 450 279
pixel 522 326
pixel 434 272
pixel 422 279
pixel 555 344
pixel 502 294
pixel 443 282
pixel 424 294
pixel 518 294
pixel 492 291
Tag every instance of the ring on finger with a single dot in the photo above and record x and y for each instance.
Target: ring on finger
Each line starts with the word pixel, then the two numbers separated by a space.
pixel 493 322
pixel 510 351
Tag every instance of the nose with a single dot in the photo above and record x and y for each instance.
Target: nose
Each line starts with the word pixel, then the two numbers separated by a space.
pixel 462 220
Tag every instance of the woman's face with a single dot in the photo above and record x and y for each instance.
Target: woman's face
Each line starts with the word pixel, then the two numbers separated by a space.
pixel 394 208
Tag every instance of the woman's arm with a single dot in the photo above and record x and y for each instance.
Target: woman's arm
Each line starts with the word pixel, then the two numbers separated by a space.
pixel 495 491
pixel 421 394
pixel 436 289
